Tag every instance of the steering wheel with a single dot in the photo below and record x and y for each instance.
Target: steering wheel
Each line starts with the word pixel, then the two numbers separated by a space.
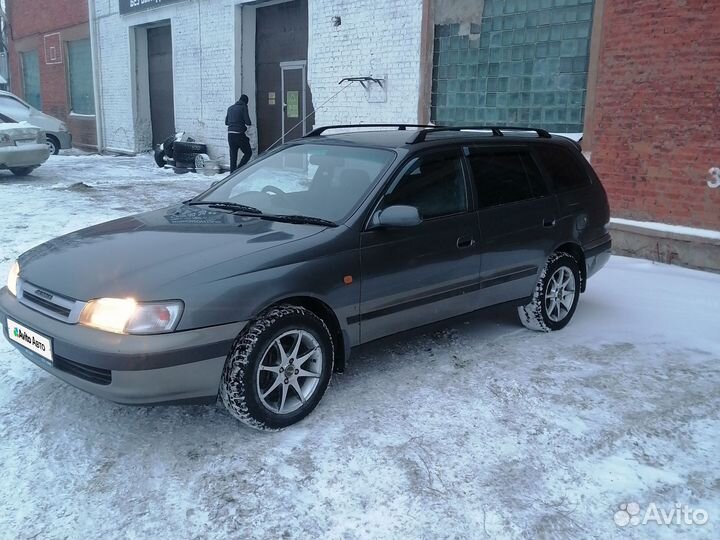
pixel 272 190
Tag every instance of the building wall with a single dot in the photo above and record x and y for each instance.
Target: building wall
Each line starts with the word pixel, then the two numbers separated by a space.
pixel 29 17
pixel 31 21
pixel 654 129
pixel 373 39
pixel 379 39
pixel 203 67
pixel 516 62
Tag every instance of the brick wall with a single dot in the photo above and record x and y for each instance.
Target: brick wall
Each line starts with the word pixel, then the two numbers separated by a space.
pixel 203 72
pixel 30 21
pixel 374 38
pixel 657 110
pixel 30 17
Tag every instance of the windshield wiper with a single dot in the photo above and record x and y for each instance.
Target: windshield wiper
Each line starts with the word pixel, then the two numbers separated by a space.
pixel 300 220
pixel 251 210
pixel 235 207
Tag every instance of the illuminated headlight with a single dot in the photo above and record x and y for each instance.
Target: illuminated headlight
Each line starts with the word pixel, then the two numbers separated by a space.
pixel 127 316
pixel 12 278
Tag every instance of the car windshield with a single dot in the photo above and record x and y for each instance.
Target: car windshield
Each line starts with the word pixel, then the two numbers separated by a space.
pixel 319 180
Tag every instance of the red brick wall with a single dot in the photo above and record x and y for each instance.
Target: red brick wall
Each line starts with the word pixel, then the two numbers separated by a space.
pixel 656 126
pixel 28 17
pixel 30 21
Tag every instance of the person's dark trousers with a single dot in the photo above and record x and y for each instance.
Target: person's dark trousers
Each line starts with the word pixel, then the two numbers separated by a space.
pixel 239 141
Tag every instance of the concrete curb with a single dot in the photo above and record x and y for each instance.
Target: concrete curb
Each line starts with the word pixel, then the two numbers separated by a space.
pixel 665 246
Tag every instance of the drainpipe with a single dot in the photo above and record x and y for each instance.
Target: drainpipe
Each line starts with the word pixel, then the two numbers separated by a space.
pixel 94 46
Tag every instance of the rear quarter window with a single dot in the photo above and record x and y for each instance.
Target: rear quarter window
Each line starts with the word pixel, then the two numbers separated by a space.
pixel 564 169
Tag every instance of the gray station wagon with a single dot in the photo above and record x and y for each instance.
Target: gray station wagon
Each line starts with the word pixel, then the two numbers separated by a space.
pixel 258 288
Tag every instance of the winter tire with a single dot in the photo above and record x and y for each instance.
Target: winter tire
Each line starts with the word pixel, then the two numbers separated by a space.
pixel 278 368
pixel 21 171
pixel 190 148
pixel 201 161
pixel 159 157
pixel 556 295
pixel 53 145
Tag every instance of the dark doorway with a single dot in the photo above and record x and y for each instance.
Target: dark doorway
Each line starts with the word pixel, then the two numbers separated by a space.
pixel 160 79
pixel 283 96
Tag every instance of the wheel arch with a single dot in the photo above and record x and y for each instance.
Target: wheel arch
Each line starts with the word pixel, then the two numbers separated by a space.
pixel 577 252
pixel 55 140
pixel 326 313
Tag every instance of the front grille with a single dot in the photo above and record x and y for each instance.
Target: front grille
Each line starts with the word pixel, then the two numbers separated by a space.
pixel 89 373
pixel 47 304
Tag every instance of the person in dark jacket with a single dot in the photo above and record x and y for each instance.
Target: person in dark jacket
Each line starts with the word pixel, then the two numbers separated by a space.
pixel 237 120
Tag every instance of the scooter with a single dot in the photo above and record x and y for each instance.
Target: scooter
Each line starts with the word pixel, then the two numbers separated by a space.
pixel 181 153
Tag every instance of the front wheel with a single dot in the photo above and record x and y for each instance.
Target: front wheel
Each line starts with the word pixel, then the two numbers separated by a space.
pixel 53 145
pixel 556 295
pixel 278 368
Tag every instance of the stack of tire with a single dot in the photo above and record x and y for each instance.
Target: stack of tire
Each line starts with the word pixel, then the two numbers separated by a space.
pixel 184 153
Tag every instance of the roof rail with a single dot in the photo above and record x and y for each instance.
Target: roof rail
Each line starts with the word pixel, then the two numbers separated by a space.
pixel 401 127
pixel 497 131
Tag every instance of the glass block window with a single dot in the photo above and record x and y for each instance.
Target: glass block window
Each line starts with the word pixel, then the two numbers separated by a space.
pixel 31 78
pixel 524 63
pixel 80 77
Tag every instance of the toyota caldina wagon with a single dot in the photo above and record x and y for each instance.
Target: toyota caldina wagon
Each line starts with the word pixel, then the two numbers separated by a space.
pixel 258 288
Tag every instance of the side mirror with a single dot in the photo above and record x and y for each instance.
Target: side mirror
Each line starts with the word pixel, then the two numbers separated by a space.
pixel 396 216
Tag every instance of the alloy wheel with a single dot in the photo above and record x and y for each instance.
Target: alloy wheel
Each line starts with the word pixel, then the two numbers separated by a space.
pixel 289 372
pixel 560 294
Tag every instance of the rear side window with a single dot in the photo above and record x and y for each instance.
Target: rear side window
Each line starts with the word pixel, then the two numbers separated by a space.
pixel 505 176
pixel 563 168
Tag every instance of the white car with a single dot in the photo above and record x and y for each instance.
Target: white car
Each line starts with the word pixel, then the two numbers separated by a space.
pixel 57 134
pixel 22 146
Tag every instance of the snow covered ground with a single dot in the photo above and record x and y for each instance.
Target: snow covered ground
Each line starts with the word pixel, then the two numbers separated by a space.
pixel 475 428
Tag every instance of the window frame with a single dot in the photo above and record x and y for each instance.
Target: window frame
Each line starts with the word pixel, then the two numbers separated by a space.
pixel 401 169
pixel 519 148
pixel 68 77
pixel 23 76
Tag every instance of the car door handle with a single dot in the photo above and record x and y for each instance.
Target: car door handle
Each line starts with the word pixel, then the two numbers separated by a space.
pixel 549 223
pixel 465 242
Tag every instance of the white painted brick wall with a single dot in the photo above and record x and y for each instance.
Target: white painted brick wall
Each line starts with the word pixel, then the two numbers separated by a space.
pixel 378 38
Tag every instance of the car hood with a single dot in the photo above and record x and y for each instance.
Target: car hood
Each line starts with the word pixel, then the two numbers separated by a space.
pixel 44 121
pixel 140 255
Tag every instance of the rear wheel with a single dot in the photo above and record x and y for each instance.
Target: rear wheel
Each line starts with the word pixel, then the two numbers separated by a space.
pixel 21 171
pixel 278 368
pixel 53 145
pixel 556 295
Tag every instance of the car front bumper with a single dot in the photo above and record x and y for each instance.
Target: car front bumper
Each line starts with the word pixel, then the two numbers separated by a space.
pixel 180 367
pixel 29 155
pixel 64 138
